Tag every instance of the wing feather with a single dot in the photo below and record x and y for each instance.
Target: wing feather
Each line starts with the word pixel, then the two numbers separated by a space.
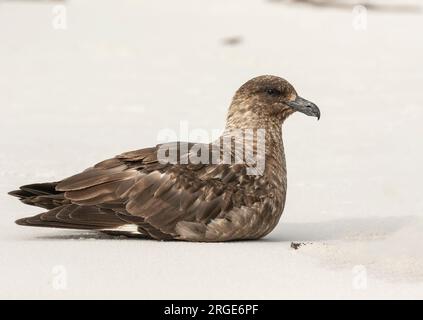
pixel 185 201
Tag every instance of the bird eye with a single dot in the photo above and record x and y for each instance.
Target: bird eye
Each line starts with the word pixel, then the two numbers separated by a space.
pixel 273 92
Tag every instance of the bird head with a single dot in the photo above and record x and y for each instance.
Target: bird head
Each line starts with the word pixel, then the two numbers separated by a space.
pixel 269 97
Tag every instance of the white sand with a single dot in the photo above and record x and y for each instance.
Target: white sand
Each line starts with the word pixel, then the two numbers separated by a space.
pixel 120 74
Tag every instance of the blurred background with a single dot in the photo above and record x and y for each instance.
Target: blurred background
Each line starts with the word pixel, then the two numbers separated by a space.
pixel 84 80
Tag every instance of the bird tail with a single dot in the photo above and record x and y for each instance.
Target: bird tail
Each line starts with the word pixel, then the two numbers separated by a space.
pixel 61 212
pixel 42 195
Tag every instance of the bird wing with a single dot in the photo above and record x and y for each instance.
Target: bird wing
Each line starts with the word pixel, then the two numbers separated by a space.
pixel 165 200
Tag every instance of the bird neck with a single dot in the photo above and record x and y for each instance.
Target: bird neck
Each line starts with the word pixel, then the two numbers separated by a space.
pixel 265 138
pixel 250 121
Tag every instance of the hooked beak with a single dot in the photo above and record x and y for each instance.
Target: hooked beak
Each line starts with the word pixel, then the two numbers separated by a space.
pixel 305 106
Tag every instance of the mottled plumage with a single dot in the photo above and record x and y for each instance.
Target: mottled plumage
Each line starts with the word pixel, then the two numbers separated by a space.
pixel 214 200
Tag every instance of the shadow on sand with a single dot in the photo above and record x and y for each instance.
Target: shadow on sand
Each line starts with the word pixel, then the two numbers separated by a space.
pixel 341 229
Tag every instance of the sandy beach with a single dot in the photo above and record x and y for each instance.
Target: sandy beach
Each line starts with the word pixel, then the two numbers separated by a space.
pixel 110 78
